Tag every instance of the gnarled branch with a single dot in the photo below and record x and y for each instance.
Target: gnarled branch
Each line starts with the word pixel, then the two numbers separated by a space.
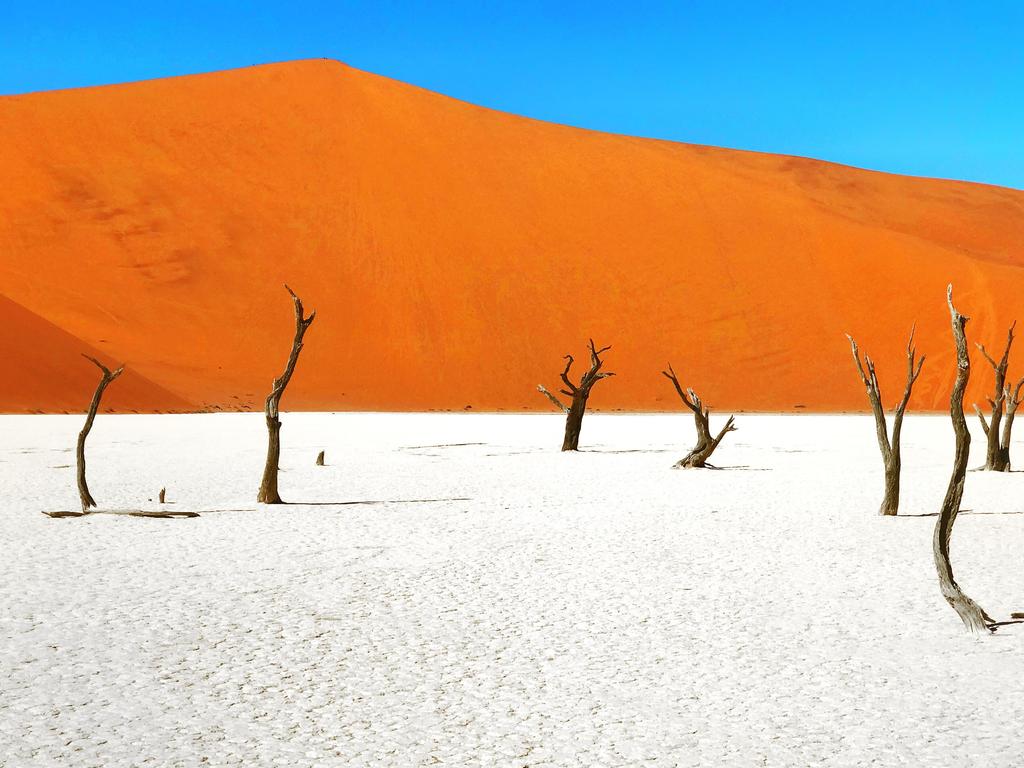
pixel 554 400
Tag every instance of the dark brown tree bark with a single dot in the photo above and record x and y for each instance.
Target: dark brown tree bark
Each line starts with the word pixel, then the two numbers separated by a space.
pixel 997 459
pixel 890 448
pixel 268 493
pixel 1011 399
pixel 579 393
pixel 107 377
pixel 706 444
pixel 972 614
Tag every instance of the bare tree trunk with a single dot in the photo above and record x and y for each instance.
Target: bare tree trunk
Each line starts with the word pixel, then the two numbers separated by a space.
pixel 1012 400
pixel 891 494
pixel 268 493
pixel 972 614
pixel 890 449
pixel 107 377
pixel 706 444
pixel 574 423
pixel 996 460
pixel 163 495
pixel 320 459
pixel 579 393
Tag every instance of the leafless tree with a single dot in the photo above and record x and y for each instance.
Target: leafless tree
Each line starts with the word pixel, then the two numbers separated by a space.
pixel 579 393
pixel 268 493
pixel 107 377
pixel 997 452
pixel 706 444
pixel 972 614
pixel 1012 399
pixel 890 448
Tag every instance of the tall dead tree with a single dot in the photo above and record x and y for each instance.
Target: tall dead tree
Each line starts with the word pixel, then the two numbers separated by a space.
pixel 972 614
pixel 997 451
pixel 890 447
pixel 107 377
pixel 706 444
pixel 579 393
pixel 268 487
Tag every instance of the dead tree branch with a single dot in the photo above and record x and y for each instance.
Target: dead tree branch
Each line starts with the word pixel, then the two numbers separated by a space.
pixel 554 400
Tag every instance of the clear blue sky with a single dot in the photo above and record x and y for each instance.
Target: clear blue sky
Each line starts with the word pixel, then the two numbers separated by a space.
pixel 926 88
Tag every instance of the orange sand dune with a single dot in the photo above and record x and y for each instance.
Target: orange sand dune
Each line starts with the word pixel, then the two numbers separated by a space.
pixel 456 253
pixel 44 370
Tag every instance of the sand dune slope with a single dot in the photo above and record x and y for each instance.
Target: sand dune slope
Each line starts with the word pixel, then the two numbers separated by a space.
pixel 456 253
pixel 45 370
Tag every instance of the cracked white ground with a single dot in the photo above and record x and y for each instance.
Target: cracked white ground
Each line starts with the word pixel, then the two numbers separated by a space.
pixel 497 602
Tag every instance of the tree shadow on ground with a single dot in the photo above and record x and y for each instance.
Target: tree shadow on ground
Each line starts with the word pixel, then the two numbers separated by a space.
pixel 624 450
pixel 961 512
pixel 439 445
pixel 370 502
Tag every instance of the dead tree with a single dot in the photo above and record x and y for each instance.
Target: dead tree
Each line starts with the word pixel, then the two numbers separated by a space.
pixel 997 451
pixel 107 377
pixel 706 444
pixel 972 614
pixel 579 394
pixel 268 487
pixel 890 447
pixel 1011 399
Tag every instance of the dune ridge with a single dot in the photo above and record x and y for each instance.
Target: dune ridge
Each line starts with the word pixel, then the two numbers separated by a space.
pixel 455 253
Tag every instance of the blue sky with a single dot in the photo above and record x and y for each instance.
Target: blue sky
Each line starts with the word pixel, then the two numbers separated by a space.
pixel 928 88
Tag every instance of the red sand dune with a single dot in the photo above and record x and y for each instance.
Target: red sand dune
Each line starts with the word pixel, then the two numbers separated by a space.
pixel 44 370
pixel 456 253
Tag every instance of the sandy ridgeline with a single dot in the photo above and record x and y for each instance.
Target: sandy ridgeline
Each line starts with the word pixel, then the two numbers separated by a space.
pixel 453 590
pixel 428 230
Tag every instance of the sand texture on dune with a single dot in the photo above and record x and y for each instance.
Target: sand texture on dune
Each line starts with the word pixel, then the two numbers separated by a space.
pixel 456 253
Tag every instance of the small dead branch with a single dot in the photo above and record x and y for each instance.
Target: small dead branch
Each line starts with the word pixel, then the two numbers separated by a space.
pixel 554 400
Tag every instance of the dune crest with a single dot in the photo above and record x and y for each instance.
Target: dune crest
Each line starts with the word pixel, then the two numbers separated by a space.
pixel 455 253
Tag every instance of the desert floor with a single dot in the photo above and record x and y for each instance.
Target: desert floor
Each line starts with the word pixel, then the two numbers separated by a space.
pixel 452 590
